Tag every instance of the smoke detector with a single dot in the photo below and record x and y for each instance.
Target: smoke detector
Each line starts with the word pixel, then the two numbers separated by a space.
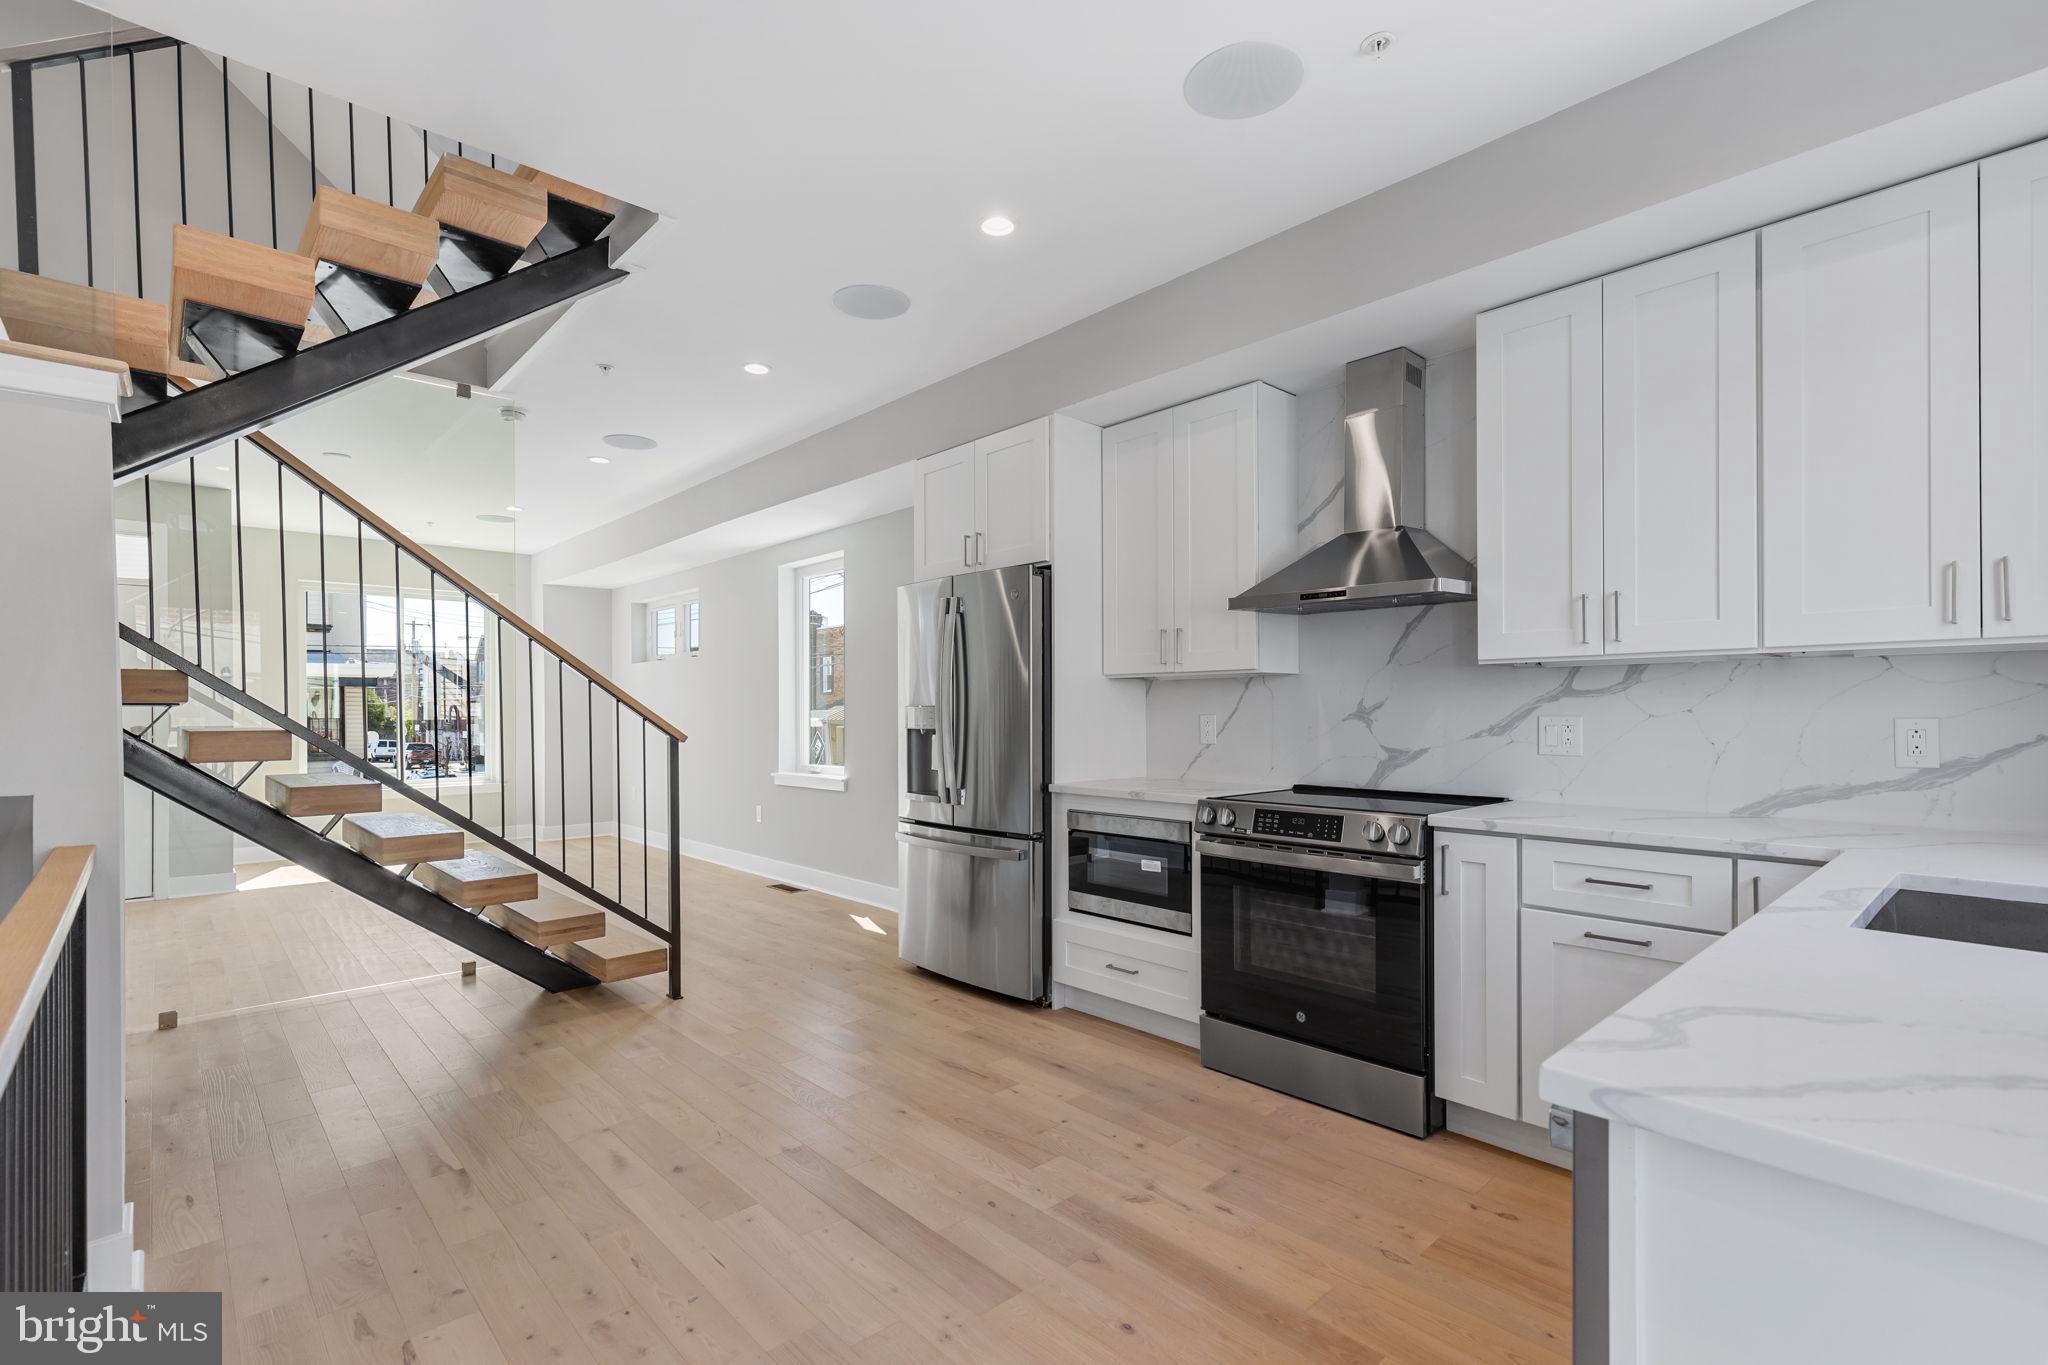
pixel 512 412
pixel 1376 45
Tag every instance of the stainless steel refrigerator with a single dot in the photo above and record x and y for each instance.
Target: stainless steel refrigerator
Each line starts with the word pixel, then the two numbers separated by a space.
pixel 971 681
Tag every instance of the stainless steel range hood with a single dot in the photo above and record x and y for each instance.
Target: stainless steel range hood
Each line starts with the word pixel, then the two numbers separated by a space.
pixel 1384 558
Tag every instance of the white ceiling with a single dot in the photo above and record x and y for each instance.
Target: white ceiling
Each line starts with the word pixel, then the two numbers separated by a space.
pixel 805 145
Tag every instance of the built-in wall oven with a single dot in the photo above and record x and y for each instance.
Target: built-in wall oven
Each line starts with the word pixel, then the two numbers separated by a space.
pixel 1130 868
pixel 1316 947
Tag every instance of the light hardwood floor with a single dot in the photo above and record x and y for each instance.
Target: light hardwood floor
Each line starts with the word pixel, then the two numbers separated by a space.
pixel 818 1155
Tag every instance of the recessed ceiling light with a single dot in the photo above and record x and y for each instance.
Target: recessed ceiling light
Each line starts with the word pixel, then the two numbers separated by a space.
pixel 222 468
pixel 998 226
pixel 599 459
pixel 872 302
pixel 495 518
pixel 755 367
pixel 625 440
pixel 509 507
pixel 1243 80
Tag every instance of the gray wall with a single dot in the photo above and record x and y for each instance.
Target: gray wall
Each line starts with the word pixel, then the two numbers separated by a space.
pixel 1397 699
pixel 60 732
pixel 725 699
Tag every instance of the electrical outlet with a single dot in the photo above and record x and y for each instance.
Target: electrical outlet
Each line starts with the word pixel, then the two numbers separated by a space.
pixel 1208 727
pixel 1916 743
pixel 1561 736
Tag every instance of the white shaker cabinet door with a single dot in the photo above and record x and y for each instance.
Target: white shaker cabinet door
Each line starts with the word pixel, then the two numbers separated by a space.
pixel 1137 547
pixel 1215 532
pixel 1010 472
pixel 1870 465
pixel 2015 304
pixel 1577 970
pixel 1539 477
pixel 942 519
pixel 1678 351
pixel 1475 992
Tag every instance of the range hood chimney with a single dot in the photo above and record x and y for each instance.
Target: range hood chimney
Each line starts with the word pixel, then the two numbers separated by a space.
pixel 1384 558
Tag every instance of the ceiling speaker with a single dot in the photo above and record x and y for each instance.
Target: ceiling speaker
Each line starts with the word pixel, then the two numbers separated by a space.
pixel 1243 80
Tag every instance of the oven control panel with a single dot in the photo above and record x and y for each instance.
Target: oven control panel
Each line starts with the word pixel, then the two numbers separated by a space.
pixel 1298 824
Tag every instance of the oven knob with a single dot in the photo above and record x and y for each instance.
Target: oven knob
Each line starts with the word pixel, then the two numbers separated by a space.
pixel 1228 818
pixel 1374 832
pixel 1401 835
pixel 1208 815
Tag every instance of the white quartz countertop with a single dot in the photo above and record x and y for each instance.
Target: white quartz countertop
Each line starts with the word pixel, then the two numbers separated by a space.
pixel 1911 1069
pixel 1176 791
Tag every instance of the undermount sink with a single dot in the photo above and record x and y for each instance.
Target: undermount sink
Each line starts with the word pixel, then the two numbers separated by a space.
pixel 1989 920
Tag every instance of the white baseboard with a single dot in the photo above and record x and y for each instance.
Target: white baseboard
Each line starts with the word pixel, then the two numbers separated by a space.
pixel 1186 1032
pixel 112 1264
pixel 1523 1139
pixel 810 878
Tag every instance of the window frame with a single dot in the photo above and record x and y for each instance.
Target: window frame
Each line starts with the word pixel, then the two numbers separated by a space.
pixel 688 613
pixel 793 675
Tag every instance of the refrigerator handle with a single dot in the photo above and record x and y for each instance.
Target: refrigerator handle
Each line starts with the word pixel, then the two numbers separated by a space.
pixel 945 699
pixel 959 682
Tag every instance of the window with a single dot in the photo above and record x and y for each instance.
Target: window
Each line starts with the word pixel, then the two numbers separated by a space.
pixel 812 748
pixel 670 624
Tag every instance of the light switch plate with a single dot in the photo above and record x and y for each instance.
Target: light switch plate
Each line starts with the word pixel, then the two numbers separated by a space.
pixel 1208 727
pixel 1561 736
pixel 1916 743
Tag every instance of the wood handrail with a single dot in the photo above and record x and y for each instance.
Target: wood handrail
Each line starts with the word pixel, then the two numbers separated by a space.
pixel 442 570
pixel 31 937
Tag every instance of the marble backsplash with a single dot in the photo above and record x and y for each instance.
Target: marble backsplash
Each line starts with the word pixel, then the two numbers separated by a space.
pixel 1397 699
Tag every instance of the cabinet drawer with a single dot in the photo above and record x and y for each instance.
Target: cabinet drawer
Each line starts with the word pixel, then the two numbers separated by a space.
pixel 1688 890
pixel 1136 967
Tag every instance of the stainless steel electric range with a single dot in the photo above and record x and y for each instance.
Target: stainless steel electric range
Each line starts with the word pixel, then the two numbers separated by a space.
pixel 1316 946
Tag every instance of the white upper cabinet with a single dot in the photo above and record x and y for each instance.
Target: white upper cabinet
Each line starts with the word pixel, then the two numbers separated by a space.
pixel 2015 395
pixel 1197 504
pixel 1478 1030
pixel 1870 409
pixel 1011 471
pixel 942 516
pixel 1539 477
pixel 1678 351
pixel 1137 561
pixel 983 505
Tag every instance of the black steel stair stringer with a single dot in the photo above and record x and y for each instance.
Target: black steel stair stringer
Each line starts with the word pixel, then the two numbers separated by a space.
pixel 203 794
pixel 244 402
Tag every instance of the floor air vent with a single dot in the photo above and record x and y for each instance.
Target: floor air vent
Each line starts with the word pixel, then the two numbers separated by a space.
pixel 785 888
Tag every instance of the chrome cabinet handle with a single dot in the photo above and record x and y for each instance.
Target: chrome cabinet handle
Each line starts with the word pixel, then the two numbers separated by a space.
pixel 1756 893
pixel 2004 566
pixel 1177 657
pixel 966 548
pixel 1162 646
pixel 1583 639
pixel 1617 616
pixel 1626 886
pixel 1443 869
pixel 1610 938
pixel 980 555
pixel 1125 971
pixel 1954 575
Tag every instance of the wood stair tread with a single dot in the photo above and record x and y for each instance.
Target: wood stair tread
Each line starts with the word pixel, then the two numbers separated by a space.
pixel 477 880
pixel 36 310
pixel 549 919
pixel 303 794
pixel 235 744
pixel 618 956
pixel 568 189
pixel 472 197
pixel 362 234
pixel 401 837
pixel 211 273
pixel 119 369
pixel 154 687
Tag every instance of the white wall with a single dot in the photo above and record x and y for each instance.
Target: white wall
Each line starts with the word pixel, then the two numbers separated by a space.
pixel 60 732
pixel 725 699
pixel 1396 699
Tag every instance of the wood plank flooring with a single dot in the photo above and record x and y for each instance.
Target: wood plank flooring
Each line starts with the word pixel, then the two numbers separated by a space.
pixel 818 1157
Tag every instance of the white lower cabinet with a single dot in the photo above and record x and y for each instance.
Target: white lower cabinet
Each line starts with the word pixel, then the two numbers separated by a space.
pixel 1577 970
pixel 1474 984
pixel 1758 883
pixel 1153 970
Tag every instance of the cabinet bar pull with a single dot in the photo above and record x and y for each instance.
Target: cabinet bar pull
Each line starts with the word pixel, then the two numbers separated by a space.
pixel 980 555
pixel 1610 938
pixel 1756 893
pixel 1177 655
pixel 966 548
pixel 1443 869
pixel 1954 575
pixel 1133 971
pixel 1626 886
pixel 1582 620
pixel 2005 587
pixel 1162 646
pixel 1617 616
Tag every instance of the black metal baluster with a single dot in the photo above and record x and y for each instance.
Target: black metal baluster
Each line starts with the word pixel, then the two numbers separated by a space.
pixel 532 749
pixel 198 606
pixel 398 651
pixel 562 730
pixel 135 168
pixel 351 146
pixel 434 673
pixel 590 767
pixel 270 143
pixel 362 638
pixel 390 166
pixel 618 811
pixel 85 155
pixel 675 871
pixel 646 900
pixel 183 215
pixel 227 157
pixel 241 577
pixel 284 609
pixel 501 768
pixel 149 554
pixel 468 711
pixel 326 613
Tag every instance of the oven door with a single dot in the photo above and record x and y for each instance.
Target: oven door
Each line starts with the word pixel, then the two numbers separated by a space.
pixel 1331 950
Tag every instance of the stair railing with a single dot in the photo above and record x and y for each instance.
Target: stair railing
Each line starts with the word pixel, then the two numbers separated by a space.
pixel 475 687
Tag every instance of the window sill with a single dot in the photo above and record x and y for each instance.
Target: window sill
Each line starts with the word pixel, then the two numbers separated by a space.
pixel 826 782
